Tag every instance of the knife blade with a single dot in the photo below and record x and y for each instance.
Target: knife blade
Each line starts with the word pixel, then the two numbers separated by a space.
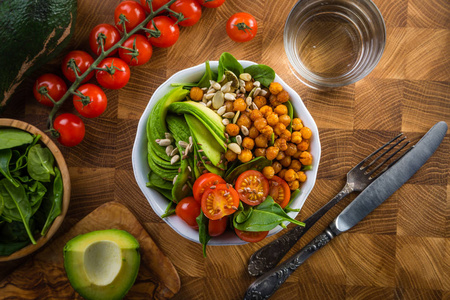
pixel 369 199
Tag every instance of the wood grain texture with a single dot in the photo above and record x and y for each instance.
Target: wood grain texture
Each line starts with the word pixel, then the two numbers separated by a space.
pixel 400 251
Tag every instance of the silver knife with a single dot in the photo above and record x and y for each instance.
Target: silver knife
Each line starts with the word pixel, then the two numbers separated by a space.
pixel 369 199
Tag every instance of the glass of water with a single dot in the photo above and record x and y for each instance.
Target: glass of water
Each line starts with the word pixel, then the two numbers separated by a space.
pixel 332 43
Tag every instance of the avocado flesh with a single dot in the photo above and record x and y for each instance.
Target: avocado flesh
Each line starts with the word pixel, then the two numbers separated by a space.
pixel 102 264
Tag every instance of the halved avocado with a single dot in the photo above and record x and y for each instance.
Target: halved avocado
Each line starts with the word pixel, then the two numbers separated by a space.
pixel 102 264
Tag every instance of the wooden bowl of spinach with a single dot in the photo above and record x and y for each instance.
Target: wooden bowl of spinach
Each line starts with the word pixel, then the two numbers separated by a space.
pixel 34 189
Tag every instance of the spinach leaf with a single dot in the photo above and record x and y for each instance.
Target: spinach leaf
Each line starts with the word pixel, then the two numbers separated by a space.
pixel 35 192
pixel 9 248
pixel 209 75
pixel 40 163
pixel 290 108
pixel 230 63
pixel 293 196
pixel 264 217
pixel 22 160
pixel 262 73
pixel 257 163
pixel 11 137
pixel 5 157
pixel 244 213
pixel 53 203
pixel 17 207
pixel 203 235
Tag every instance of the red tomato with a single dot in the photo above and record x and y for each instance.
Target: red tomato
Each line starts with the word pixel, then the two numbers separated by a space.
pixel 115 76
pixel 217 227
pixel 110 36
pixel 53 85
pixel 241 27
pixel 279 191
pixel 251 236
pixel 220 201
pixel 156 4
pixel 70 128
pixel 252 187
pixel 211 3
pixel 82 61
pixel 94 102
pixel 132 11
pixel 190 9
pixel 204 182
pixel 142 50
pixel 188 210
pixel 168 29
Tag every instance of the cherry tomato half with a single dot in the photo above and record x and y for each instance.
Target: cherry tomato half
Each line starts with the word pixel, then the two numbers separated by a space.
pixel 142 50
pixel 188 210
pixel 132 11
pixel 168 29
pixel 251 236
pixel 156 4
pixel 211 3
pixel 220 201
pixel 253 187
pixel 70 128
pixel 54 85
pixel 217 227
pixel 82 62
pixel 191 10
pixel 204 182
pixel 108 33
pixel 116 74
pixel 95 102
pixel 241 27
pixel 279 191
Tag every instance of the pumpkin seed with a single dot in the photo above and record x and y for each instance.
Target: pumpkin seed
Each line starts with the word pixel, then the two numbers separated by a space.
pixel 235 148
pixel 218 100
pixel 245 76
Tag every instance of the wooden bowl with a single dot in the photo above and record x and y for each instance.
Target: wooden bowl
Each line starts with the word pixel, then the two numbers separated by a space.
pixel 61 163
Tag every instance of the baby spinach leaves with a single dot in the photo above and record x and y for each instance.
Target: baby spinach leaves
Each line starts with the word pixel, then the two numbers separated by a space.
pixel 11 137
pixel 5 158
pixel 261 73
pixel 209 75
pixel 40 163
pixel 230 63
pixel 257 163
pixel 203 234
pixel 52 204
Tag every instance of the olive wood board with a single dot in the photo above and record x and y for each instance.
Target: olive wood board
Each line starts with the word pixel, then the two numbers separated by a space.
pixel 44 276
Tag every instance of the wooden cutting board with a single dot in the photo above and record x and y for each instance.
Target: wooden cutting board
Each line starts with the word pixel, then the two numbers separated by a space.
pixel 44 274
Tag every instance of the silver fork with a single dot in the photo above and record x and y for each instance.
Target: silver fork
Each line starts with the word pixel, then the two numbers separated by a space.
pixel 358 179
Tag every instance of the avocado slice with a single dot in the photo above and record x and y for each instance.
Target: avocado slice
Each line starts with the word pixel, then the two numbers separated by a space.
pixel 102 264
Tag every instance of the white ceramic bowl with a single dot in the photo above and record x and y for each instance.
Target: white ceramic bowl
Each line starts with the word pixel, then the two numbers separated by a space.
pixel 159 203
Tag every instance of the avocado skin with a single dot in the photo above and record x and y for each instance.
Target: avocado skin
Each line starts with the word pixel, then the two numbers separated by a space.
pixel 73 264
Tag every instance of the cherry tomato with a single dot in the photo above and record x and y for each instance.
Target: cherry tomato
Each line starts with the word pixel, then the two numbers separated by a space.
pixel 132 11
pixel 168 29
pixel 142 50
pixel 82 61
pixel 94 102
pixel 70 128
pixel 217 227
pixel 220 201
pixel 188 210
pixel 252 187
pixel 279 191
pixel 251 236
pixel 211 3
pixel 156 4
pixel 110 36
pixel 115 76
pixel 190 9
pixel 204 182
pixel 241 27
pixel 54 85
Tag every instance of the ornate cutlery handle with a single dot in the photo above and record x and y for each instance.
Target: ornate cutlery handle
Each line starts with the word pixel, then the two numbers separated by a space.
pixel 268 284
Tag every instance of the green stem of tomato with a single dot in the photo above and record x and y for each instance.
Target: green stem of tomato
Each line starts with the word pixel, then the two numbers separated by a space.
pixel 94 65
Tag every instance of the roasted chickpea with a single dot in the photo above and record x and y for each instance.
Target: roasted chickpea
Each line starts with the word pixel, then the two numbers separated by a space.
pixel 260 101
pixel 244 120
pixel 291 149
pixel 282 173
pixel 229 106
pixel 273 99
pixel 297 154
pixel 285 119
pixel 230 155
pixel 281 110
pixel 286 162
pixel 248 86
pixel 290 175
pixel 253 132
pixel 304 145
pixel 281 144
pixel 245 156
pixel 267 131
pixel 255 115
pixel 232 129
pixel 239 105
pixel 268 172
pixel 295 165
pixel 279 128
pixel 301 176
pixel 297 124
pixel 286 134
pixel 249 143
pixel 306 158
pixel 294 185
pixel 296 137
pixel 260 152
pixel 272 119
pixel 260 123
pixel 275 88
pixel 277 167
pixel 196 94
pixel 281 155
pixel 272 153
pixel 261 141
pixel 306 133
pixel 266 110
pixel 283 96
